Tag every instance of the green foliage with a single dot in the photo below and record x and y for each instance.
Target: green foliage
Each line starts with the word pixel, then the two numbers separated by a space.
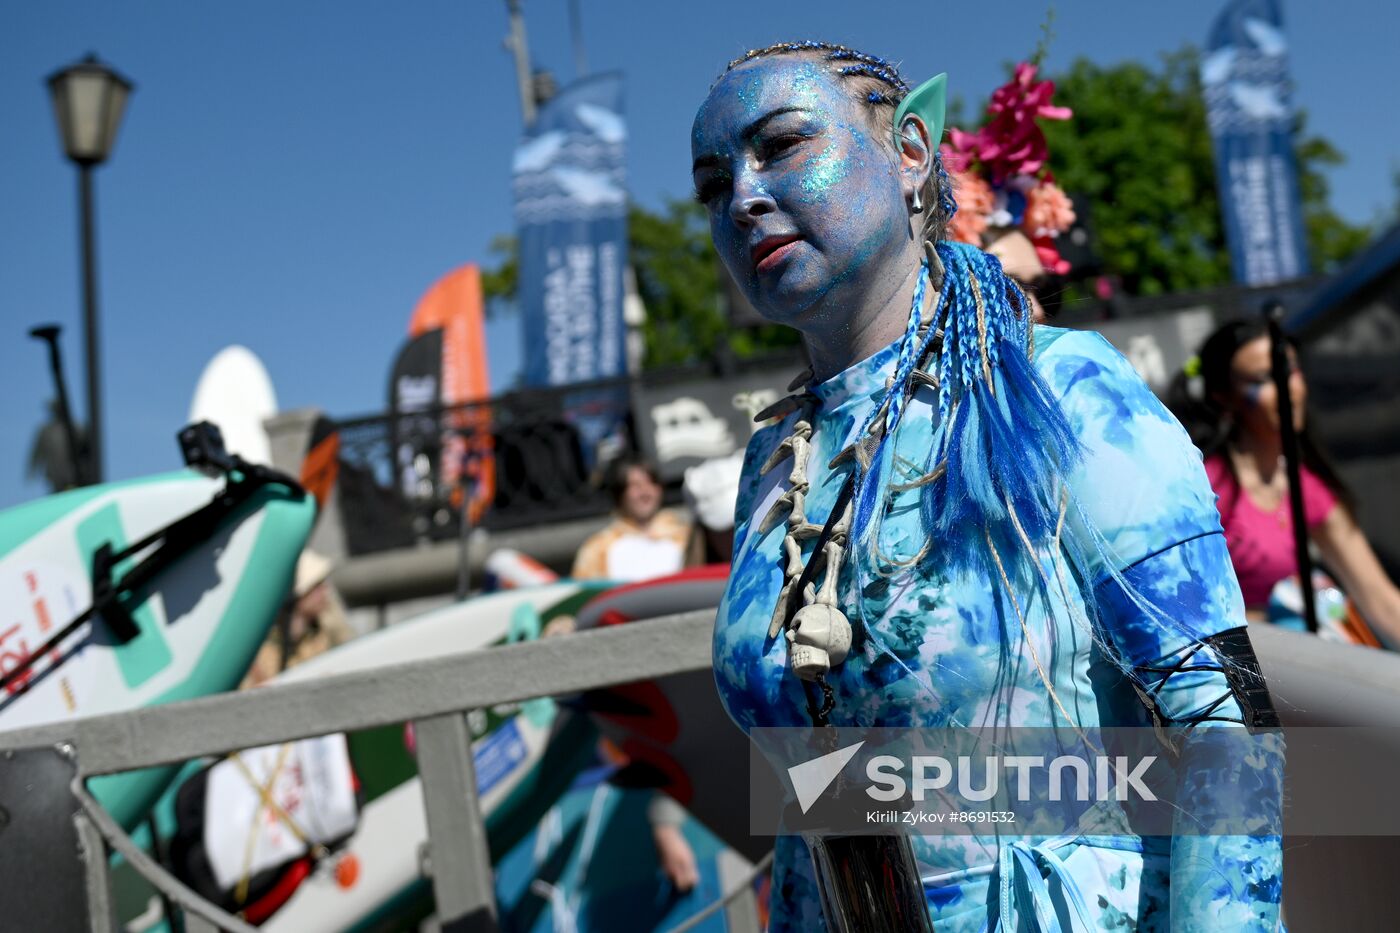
pixel 677 279
pixel 1047 38
pixel 502 281
pixel 1331 240
pixel 1140 148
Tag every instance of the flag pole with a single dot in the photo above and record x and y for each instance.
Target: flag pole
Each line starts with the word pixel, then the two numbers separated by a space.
pixel 520 46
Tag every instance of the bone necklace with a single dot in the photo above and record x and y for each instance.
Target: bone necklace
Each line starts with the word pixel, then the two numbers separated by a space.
pixel 818 635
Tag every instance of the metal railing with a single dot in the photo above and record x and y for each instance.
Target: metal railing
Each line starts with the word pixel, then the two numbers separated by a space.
pixel 432 694
pixel 398 473
pixel 1316 683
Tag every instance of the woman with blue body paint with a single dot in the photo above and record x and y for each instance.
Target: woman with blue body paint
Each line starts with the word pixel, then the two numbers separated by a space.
pixel 1001 524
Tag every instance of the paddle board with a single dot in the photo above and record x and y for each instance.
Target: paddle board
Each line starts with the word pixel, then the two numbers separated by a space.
pixel 525 756
pixel 200 622
pixel 591 866
pixel 674 731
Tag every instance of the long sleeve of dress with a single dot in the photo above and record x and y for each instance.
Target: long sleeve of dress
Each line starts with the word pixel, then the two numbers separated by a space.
pixel 1165 589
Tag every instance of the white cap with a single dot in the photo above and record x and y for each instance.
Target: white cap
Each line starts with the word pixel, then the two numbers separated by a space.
pixel 712 489
pixel 312 570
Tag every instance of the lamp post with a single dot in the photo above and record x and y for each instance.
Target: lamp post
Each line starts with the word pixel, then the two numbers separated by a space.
pixel 88 101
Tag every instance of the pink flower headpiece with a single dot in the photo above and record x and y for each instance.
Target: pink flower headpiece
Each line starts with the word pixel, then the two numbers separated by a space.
pixel 999 172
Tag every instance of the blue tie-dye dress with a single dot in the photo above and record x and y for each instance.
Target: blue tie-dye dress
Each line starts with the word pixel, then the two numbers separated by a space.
pixel 1142 485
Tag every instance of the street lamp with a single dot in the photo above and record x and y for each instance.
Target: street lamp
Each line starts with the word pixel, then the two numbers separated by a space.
pixel 88 101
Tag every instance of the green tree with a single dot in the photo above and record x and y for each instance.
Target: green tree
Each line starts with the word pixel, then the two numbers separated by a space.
pixel 1331 240
pixel 501 280
pixel 1139 147
pixel 678 281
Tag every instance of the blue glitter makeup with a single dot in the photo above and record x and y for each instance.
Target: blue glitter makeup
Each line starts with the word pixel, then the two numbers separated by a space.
pixel 826 170
pixel 805 201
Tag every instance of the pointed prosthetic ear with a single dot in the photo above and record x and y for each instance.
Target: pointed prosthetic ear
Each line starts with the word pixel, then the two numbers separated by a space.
pixel 928 102
pixel 918 129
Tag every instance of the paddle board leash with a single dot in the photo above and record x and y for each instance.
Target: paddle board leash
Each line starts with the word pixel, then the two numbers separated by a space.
pixel 1282 371
pixel 203 449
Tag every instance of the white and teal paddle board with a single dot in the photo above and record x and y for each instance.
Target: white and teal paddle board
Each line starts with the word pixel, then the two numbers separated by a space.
pixel 200 621
pixel 510 745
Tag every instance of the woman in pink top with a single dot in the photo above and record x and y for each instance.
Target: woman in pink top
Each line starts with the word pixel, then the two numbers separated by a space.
pixel 1244 460
pixel 1260 536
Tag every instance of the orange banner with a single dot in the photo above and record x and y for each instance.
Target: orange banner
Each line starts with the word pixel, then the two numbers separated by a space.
pixel 456 305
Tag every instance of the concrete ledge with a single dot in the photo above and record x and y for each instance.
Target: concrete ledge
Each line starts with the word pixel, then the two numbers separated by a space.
pixel 410 573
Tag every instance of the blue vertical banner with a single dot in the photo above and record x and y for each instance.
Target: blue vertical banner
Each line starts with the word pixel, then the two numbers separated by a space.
pixel 1245 73
pixel 571 215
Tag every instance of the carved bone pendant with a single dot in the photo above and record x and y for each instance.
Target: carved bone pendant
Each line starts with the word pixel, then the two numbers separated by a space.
pixel 820 639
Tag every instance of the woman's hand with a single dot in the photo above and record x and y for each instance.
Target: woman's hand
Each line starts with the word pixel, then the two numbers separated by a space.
pixel 1349 555
pixel 563 625
pixel 676 857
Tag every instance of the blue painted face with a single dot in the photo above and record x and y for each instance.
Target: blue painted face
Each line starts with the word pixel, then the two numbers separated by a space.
pixel 804 196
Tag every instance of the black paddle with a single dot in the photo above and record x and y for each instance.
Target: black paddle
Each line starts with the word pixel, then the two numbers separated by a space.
pixel 1278 359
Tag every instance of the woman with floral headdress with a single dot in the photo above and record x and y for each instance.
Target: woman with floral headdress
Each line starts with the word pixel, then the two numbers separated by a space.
pixel 999 523
pixel 1008 201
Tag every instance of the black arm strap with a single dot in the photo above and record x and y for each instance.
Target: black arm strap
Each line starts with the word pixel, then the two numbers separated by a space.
pixel 1246 678
pixel 1240 666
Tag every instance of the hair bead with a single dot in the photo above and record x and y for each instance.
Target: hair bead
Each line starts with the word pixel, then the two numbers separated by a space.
pixel 874 66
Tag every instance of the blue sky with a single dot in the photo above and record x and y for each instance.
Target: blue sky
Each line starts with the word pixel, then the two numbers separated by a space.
pixel 293 176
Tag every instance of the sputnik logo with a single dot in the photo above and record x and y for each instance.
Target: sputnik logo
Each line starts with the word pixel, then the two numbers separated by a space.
pixel 811 778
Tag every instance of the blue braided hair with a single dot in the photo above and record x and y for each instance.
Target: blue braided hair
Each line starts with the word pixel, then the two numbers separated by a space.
pixel 996 511
pixel 1005 434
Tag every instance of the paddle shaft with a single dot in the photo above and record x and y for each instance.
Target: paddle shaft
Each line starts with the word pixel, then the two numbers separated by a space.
pixel 1282 372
